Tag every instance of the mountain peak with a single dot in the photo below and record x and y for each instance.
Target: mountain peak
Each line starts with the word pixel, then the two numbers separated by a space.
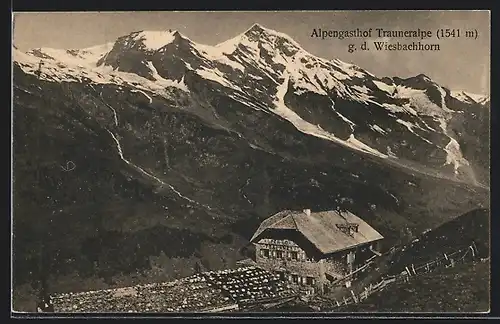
pixel 423 77
pixel 263 34
pixel 470 97
pixel 418 81
pixel 255 27
pixel 154 40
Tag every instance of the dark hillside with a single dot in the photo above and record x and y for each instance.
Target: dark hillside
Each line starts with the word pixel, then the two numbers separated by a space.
pixel 464 288
pixel 470 228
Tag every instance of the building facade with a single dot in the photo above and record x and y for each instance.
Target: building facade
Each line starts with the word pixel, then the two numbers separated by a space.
pixel 314 249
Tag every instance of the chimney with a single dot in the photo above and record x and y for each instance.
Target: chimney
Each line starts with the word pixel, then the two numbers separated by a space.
pixel 307 212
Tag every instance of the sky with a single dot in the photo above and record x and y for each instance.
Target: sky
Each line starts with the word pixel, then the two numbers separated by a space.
pixel 460 64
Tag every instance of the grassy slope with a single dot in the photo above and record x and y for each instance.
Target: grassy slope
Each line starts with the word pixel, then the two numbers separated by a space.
pixel 465 288
pixel 459 233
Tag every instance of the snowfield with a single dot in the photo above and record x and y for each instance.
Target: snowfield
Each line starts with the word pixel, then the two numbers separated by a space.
pixel 470 97
pixel 315 130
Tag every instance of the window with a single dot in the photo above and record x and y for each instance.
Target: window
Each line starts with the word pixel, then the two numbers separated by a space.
pixel 310 281
pixel 295 278
pixel 294 255
pixel 348 228
pixel 264 253
pixel 279 254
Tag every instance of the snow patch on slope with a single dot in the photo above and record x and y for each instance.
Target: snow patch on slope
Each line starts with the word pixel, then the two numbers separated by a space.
pixel 453 152
pixel 393 108
pixel 362 89
pixel 347 120
pixel 410 127
pixel 303 80
pixel 164 82
pixel 86 57
pixel 67 68
pixel 315 130
pixel 351 69
pixel 378 129
pixel 255 77
pixel 420 102
pixel 355 143
pixel 23 59
pixel 219 54
pixel 217 76
pixel 145 94
pixel 454 155
pixel 94 53
pixel 384 86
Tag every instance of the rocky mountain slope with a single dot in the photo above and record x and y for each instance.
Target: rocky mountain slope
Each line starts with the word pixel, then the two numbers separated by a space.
pixel 123 151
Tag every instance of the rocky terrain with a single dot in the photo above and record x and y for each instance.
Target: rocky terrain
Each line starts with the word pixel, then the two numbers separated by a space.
pixel 141 157
pixel 224 290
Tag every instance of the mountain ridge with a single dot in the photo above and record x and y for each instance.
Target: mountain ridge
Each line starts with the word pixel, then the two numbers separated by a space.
pixel 254 27
pixel 224 53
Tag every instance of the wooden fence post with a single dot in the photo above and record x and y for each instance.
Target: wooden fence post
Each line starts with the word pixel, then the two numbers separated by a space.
pixel 474 247
pixel 413 268
pixel 466 252
pixel 345 301
pixel 354 297
pixel 473 252
pixel 408 271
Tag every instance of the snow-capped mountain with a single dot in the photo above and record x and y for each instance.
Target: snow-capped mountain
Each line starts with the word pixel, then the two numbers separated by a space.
pixel 267 70
pixel 154 134
pixel 471 97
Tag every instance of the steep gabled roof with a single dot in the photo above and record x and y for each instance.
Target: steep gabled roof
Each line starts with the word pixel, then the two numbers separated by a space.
pixel 321 229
